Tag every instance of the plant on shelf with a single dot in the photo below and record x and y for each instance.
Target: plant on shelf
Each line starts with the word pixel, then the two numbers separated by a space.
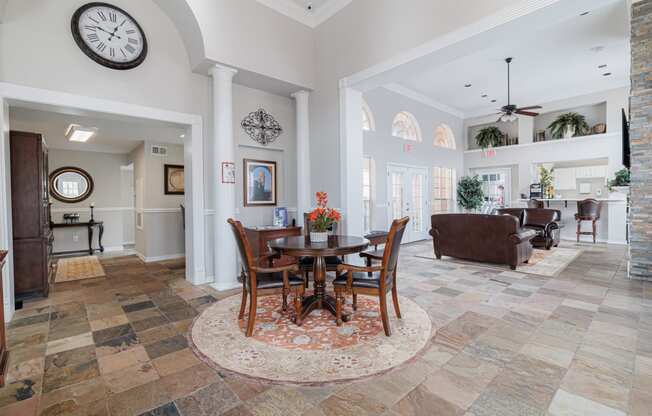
pixel 469 192
pixel 546 179
pixel 569 125
pixel 322 218
pixel 489 137
pixel 621 179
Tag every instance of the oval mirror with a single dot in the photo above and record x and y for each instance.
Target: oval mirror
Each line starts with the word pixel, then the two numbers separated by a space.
pixel 69 184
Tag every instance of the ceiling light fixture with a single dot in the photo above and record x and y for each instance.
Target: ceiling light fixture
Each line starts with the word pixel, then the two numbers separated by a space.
pixel 484 96
pixel 467 85
pixel 602 66
pixel 77 133
pixel 606 74
pixel 493 101
pixel 584 13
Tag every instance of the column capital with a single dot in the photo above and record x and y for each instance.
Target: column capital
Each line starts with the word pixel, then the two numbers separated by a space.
pixel 300 93
pixel 222 70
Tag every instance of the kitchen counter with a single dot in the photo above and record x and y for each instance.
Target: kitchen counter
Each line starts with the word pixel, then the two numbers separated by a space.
pixel 612 227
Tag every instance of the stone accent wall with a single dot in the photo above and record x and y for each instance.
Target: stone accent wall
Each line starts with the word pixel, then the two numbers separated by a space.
pixel 641 140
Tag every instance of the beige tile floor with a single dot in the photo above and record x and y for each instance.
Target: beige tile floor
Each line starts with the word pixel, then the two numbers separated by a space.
pixel 507 344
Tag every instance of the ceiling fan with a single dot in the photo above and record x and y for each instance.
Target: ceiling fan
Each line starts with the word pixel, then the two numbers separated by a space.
pixel 508 112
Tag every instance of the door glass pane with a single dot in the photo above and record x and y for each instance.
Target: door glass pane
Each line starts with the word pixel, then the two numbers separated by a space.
pixel 417 202
pixel 397 195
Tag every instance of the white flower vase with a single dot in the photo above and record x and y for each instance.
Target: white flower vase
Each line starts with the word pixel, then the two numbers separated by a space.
pixel 318 237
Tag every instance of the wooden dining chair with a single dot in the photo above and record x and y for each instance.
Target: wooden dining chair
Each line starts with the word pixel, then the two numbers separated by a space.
pixel 306 264
pixel 357 281
pixel 261 281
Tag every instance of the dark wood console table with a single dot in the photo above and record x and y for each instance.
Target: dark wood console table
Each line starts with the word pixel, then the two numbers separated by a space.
pixel 3 338
pixel 260 237
pixel 89 226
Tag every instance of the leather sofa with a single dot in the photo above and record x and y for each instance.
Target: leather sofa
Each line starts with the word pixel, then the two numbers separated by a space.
pixel 485 238
pixel 544 222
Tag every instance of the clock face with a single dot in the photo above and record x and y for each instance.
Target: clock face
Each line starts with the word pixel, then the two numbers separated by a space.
pixel 109 36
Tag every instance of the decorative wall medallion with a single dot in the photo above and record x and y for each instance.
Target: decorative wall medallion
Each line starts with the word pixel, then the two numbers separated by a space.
pixel 262 127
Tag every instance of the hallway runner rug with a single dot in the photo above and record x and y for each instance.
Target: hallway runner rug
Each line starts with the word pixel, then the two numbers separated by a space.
pixel 78 268
pixel 315 353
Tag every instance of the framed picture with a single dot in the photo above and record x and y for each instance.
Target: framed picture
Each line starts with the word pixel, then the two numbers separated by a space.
pixel 174 180
pixel 228 172
pixel 281 217
pixel 259 183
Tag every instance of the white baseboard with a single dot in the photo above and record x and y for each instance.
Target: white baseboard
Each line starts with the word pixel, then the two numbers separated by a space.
pixel 113 248
pixel 160 258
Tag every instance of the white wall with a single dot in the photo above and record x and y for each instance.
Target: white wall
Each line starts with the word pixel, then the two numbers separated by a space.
pixel 166 79
pixel 162 234
pixel 282 151
pixel 366 33
pixel 384 148
pixel 105 169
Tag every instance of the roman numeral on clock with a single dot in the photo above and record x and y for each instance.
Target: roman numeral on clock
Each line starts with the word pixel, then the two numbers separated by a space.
pixel 112 51
pixel 90 28
pixel 130 48
pixel 101 46
pixel 130 31
pixel 92 37
pixel 113 17
pixel 133 41
pixel 102 15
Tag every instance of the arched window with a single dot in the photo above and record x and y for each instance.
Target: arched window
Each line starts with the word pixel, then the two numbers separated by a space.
pixel 406 127
pixel 444 137
pixel 368 122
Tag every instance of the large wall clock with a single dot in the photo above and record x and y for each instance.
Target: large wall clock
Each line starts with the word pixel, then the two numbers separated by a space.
pixel 109 36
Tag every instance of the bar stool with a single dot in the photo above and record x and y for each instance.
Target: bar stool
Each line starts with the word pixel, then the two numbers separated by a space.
pixel 588 210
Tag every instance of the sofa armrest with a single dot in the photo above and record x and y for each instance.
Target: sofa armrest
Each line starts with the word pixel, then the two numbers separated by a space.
pixel 522 236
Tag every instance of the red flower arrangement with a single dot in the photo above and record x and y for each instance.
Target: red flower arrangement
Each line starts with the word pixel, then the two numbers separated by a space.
pixel 322 217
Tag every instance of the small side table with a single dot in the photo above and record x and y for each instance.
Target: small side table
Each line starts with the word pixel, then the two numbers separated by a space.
pixel 89 226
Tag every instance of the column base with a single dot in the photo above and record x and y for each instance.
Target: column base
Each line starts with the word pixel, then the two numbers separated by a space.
pixel 225 286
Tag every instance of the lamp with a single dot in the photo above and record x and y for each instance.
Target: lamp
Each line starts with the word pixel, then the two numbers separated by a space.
pixel 77 133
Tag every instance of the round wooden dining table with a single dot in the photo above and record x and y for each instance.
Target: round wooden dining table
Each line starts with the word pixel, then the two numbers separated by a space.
pixel 337 245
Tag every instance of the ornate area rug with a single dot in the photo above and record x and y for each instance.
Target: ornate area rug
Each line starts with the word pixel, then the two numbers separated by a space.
pixel 317 352
pixel 77 268
pixel 543 262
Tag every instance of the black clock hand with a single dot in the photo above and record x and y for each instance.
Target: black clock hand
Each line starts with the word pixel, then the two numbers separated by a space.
pixel 106 31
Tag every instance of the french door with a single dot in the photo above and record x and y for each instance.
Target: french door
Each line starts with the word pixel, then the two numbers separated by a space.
pixel 407 194
pixel 496 185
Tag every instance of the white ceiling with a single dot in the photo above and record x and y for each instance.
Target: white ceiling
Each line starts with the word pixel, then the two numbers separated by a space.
pixel 298 10
pixel 114 135
pixel 554 63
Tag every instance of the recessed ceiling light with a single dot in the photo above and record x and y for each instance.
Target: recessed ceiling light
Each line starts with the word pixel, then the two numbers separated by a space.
pixel 484 96
pixel 606 74
pixel 596 49
pixel 584 13
pixel 467 85
pixel 77 133
pixel 493 101
pixel 602 66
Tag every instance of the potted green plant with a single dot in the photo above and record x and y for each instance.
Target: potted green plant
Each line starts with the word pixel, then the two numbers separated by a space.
pixel 489 137
pixel 621 181
pixel 546 179
pixel 469 193
pixel 569 125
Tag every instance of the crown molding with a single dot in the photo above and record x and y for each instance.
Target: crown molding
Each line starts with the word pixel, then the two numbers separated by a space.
pixel 311 19
pixel 423 99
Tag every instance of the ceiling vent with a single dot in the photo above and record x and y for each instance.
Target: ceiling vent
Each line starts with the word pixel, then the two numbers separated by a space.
pixel 158 150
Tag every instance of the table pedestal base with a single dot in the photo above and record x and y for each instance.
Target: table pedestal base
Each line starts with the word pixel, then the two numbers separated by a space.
pixel 317 301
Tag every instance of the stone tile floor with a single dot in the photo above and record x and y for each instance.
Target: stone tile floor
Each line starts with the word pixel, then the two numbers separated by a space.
pixel 506 343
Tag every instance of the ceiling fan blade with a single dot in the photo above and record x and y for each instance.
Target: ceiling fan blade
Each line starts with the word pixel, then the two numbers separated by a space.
pixel 532 107
pixel 527 113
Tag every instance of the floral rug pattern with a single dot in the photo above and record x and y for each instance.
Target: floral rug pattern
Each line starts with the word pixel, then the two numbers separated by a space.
pixel 318 351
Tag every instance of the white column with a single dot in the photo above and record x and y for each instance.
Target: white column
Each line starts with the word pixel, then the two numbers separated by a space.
pixel 351 160
pixel 303 154
pixel 223 146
